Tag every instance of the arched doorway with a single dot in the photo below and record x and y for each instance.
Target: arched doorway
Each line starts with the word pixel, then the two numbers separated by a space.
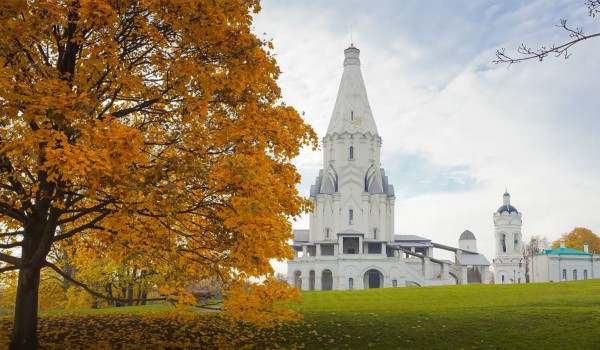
pixel 373 279
pixel 326 280
pixel 298 279
pixel 311 280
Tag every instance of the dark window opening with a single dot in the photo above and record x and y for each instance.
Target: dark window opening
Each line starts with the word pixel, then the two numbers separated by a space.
pixel 374 248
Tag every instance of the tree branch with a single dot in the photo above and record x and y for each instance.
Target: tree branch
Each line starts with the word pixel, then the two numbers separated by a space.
pixel 88 226
pixel 91 291
pixel 562 50
pixel 6 209
pixel 10 259
pixel 136 108
pixel 10 245
pixel 14 233
pixel 83 212
pixel 13 267
pixel 593 7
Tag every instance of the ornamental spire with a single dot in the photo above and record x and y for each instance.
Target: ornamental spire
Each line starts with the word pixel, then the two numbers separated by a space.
pixel 352 112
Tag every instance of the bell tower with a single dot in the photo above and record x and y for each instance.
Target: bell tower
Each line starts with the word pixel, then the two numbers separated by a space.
pixel 509 263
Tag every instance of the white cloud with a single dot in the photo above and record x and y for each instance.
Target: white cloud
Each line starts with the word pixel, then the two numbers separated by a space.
pixel 437 97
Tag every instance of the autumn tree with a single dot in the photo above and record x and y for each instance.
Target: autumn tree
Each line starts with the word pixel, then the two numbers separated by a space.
pixel 151 131
pixel 576 35
pixel 577 238
pixel 536 244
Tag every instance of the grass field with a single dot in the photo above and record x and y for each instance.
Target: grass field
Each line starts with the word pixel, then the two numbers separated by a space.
pixel 529 316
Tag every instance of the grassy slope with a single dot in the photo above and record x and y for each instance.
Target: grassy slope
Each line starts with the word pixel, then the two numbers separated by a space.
pixel 532 316
pixel 549 315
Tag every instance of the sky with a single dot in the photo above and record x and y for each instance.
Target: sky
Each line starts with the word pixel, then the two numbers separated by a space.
pixel 457 129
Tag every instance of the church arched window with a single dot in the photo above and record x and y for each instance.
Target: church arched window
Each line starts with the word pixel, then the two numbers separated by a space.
pixel 374 233
pixel 350 283
pixel 351 115
pixel 564 274
pixel 327 233
pixel 503 242
pixel 585 277
pixel 351 152
pixel 574 275
pixel 350 216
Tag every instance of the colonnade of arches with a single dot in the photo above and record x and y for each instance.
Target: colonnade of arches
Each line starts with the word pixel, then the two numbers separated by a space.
pixel 372 278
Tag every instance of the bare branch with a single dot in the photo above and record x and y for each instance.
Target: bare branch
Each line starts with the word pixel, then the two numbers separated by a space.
pixel 527 53
pixel 593 7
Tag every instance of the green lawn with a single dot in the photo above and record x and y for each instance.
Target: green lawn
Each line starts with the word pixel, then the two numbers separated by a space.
pixel 530 316
pixel 549 315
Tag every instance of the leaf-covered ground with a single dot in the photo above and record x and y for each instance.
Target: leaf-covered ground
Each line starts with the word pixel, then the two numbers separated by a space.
pixel 550 316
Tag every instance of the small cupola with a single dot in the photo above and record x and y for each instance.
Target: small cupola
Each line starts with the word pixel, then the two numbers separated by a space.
pixel 506 206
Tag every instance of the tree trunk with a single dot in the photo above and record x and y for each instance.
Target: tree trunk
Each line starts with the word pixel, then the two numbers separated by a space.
pixel 129 294
pixel 139 295
pixel 109 292
pixel 24 335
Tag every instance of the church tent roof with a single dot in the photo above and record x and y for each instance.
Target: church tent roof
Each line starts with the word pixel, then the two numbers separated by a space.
pixel 352 112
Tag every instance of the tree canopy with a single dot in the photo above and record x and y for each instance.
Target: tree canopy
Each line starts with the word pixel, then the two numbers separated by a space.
pixel 577 238
pixel 144 131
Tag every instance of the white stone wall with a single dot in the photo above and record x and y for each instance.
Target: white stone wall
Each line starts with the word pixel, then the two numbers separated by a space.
pixel 396 271
pixel 549 268
pixel 468 244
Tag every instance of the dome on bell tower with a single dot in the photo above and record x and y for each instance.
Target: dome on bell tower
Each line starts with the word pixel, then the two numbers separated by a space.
pixel 506 206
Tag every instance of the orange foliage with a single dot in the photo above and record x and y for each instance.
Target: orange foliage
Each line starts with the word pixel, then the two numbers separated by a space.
pixel 577 237
pixel 149 132
pixel 162 330
pixel 263 304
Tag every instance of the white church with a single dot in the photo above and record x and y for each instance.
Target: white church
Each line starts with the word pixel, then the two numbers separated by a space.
pixel 351 242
